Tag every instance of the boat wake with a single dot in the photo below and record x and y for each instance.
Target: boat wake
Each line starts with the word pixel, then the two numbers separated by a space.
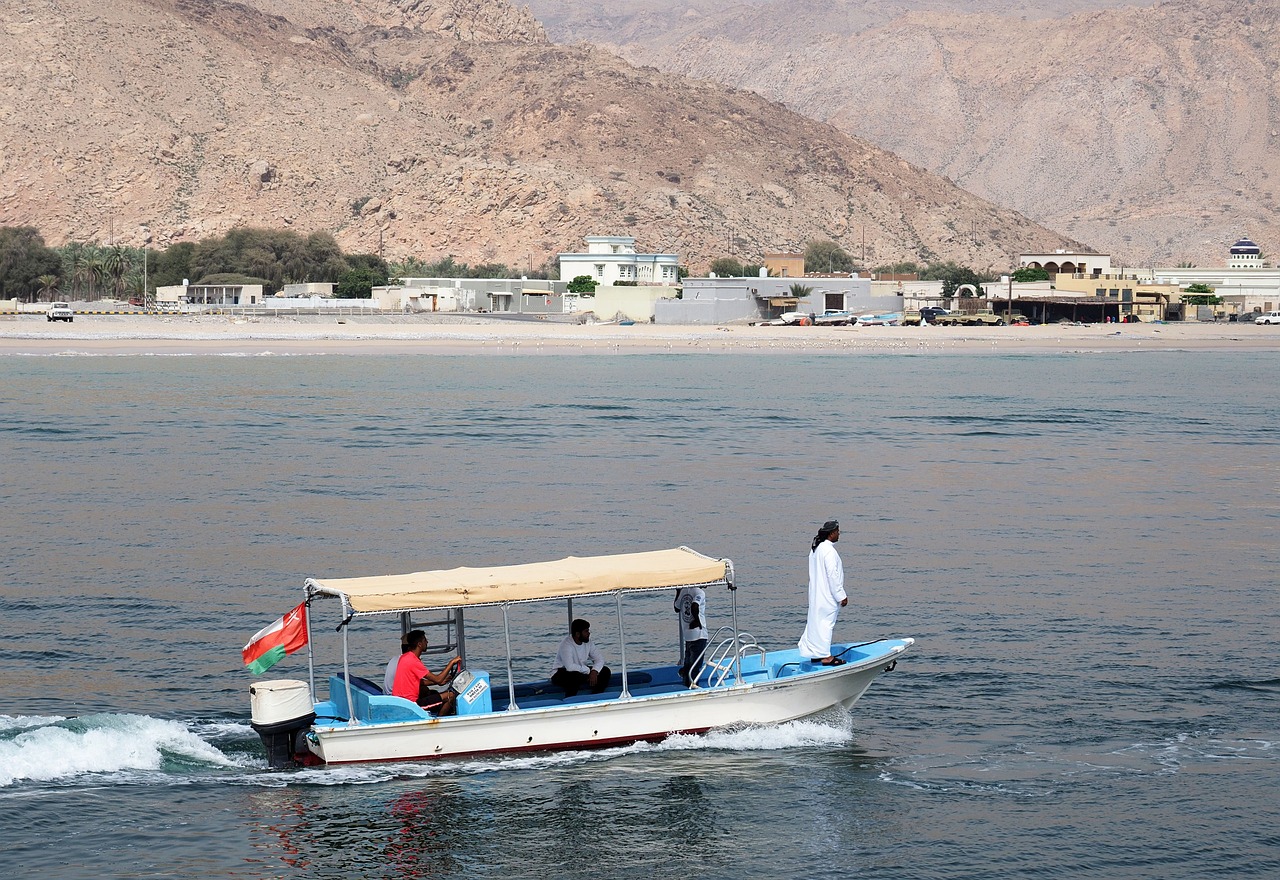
pixel 120 748
pixel 141 750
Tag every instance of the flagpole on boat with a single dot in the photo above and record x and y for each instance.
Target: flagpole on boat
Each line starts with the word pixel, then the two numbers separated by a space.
pixel 311 654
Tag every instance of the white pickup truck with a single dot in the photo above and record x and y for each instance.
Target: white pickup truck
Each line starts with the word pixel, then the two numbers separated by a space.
pixel 60 311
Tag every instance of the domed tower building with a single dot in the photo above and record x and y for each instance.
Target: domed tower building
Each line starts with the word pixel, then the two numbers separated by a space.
pixel 1245 255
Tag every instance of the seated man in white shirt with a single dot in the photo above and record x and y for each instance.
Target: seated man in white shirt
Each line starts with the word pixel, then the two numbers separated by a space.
pixel 389 677
pixel 579 663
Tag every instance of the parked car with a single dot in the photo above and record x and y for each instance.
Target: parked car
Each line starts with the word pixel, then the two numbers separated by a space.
pixel 1268 318
pixel 60 311
pixel 933 313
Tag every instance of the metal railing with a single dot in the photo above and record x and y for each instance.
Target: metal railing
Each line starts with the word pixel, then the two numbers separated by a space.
pixel 726 655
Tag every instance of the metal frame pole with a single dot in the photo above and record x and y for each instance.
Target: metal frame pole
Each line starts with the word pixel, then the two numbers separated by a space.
pixel 622 642
pixel 511 681
pixel 737 638
pixel 346 674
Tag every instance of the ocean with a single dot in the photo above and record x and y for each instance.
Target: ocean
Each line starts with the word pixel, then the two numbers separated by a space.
pixel 1083 545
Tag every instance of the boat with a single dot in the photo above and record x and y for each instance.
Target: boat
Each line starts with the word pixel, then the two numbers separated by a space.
pixel 740 682
pixel 887 319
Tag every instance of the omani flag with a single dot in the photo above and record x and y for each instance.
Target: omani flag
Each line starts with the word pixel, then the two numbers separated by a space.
pixel 269 646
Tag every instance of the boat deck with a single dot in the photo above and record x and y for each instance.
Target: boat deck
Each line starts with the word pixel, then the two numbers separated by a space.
pixel 373 707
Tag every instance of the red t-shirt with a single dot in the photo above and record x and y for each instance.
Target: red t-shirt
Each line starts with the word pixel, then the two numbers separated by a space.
pixel 409 675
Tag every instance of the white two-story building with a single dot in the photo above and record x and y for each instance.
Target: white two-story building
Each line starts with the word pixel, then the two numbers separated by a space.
pixel 612 258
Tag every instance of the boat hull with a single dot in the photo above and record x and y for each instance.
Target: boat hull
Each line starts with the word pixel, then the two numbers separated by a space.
pixel 778 694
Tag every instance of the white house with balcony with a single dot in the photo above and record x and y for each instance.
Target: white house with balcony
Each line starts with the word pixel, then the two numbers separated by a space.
pixel 612 258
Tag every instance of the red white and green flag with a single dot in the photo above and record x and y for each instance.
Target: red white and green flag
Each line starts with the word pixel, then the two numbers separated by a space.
pixel 271 643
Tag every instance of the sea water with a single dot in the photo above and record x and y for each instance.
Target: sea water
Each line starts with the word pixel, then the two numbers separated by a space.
pixel 1084 546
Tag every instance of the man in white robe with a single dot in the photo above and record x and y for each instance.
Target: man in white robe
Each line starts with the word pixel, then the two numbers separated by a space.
pixel 826 596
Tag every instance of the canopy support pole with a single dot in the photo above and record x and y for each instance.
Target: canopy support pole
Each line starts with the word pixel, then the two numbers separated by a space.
pixel 346 676
pixel 622 642
pixel 459 635
pixel 737 638
pixel 511 679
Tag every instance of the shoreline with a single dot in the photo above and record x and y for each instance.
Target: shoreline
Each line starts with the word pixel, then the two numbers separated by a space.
pixel 105 335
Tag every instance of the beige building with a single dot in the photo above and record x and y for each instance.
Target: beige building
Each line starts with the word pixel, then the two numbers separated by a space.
pixel 1062 262
pixel 783 265
pixel 1119 295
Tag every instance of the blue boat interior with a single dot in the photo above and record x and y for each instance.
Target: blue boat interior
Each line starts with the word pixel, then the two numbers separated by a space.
pixel 372 706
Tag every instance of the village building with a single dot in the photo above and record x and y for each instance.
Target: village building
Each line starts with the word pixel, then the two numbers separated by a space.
pixel 725 300
pixel 610 259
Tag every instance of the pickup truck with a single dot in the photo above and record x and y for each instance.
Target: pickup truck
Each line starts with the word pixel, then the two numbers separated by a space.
pixel 60 311
pixel 969 319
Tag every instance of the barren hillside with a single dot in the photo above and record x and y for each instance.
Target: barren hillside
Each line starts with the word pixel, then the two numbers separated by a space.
pixel 432 129
pixel 1152 132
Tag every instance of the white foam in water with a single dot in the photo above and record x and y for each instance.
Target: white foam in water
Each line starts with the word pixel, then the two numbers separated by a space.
pixel 795 734
pixel 22 722
pixel 51 750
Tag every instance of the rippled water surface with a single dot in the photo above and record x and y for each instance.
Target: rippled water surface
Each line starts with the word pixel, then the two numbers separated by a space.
pixel 1084 546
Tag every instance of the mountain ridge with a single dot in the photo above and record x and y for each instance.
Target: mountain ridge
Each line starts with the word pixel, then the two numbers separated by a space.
pixel 433 129
pixel 1150 131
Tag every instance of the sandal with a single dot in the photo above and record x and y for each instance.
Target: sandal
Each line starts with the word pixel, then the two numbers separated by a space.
pixel 830 661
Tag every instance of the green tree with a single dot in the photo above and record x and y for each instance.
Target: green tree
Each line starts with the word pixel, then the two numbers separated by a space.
pixel 800 291
pixel 954 277
pixel 902 268
pixel 726 267
pixel 48 286
pixel 116 262
pixel 23 259
pixel 489 270
pixel 1030 273
pixel 826 257
pixel 583 284
pixel 1201 299
pixel 73 259
pixel 170 266
pixel 1199 288
pixel 358 283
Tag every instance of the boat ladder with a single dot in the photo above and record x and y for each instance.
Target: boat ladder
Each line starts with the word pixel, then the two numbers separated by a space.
pixel 718 661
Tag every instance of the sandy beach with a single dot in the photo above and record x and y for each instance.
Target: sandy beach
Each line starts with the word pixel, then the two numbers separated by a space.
pixel 223 335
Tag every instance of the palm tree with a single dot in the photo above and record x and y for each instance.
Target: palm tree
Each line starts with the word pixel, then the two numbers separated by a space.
pixel 115 264
pixel 94 270
pixel 48 286
pixel 73 257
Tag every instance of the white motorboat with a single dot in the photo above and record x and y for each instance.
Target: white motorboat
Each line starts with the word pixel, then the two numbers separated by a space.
pixel 740 681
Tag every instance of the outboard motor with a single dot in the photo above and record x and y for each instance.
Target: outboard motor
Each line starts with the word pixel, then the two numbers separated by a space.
pixel 281 711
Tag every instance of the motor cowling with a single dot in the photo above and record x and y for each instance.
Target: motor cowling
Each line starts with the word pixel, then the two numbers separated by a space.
pixel 280 713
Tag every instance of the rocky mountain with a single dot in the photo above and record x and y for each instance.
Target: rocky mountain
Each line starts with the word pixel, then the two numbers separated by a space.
pixel 432 128
pixel 1152 132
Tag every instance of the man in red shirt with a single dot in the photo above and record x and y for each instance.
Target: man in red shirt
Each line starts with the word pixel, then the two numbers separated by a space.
pixel 413 678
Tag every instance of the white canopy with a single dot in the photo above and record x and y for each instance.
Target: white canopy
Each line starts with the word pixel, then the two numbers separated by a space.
pixel 563 578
